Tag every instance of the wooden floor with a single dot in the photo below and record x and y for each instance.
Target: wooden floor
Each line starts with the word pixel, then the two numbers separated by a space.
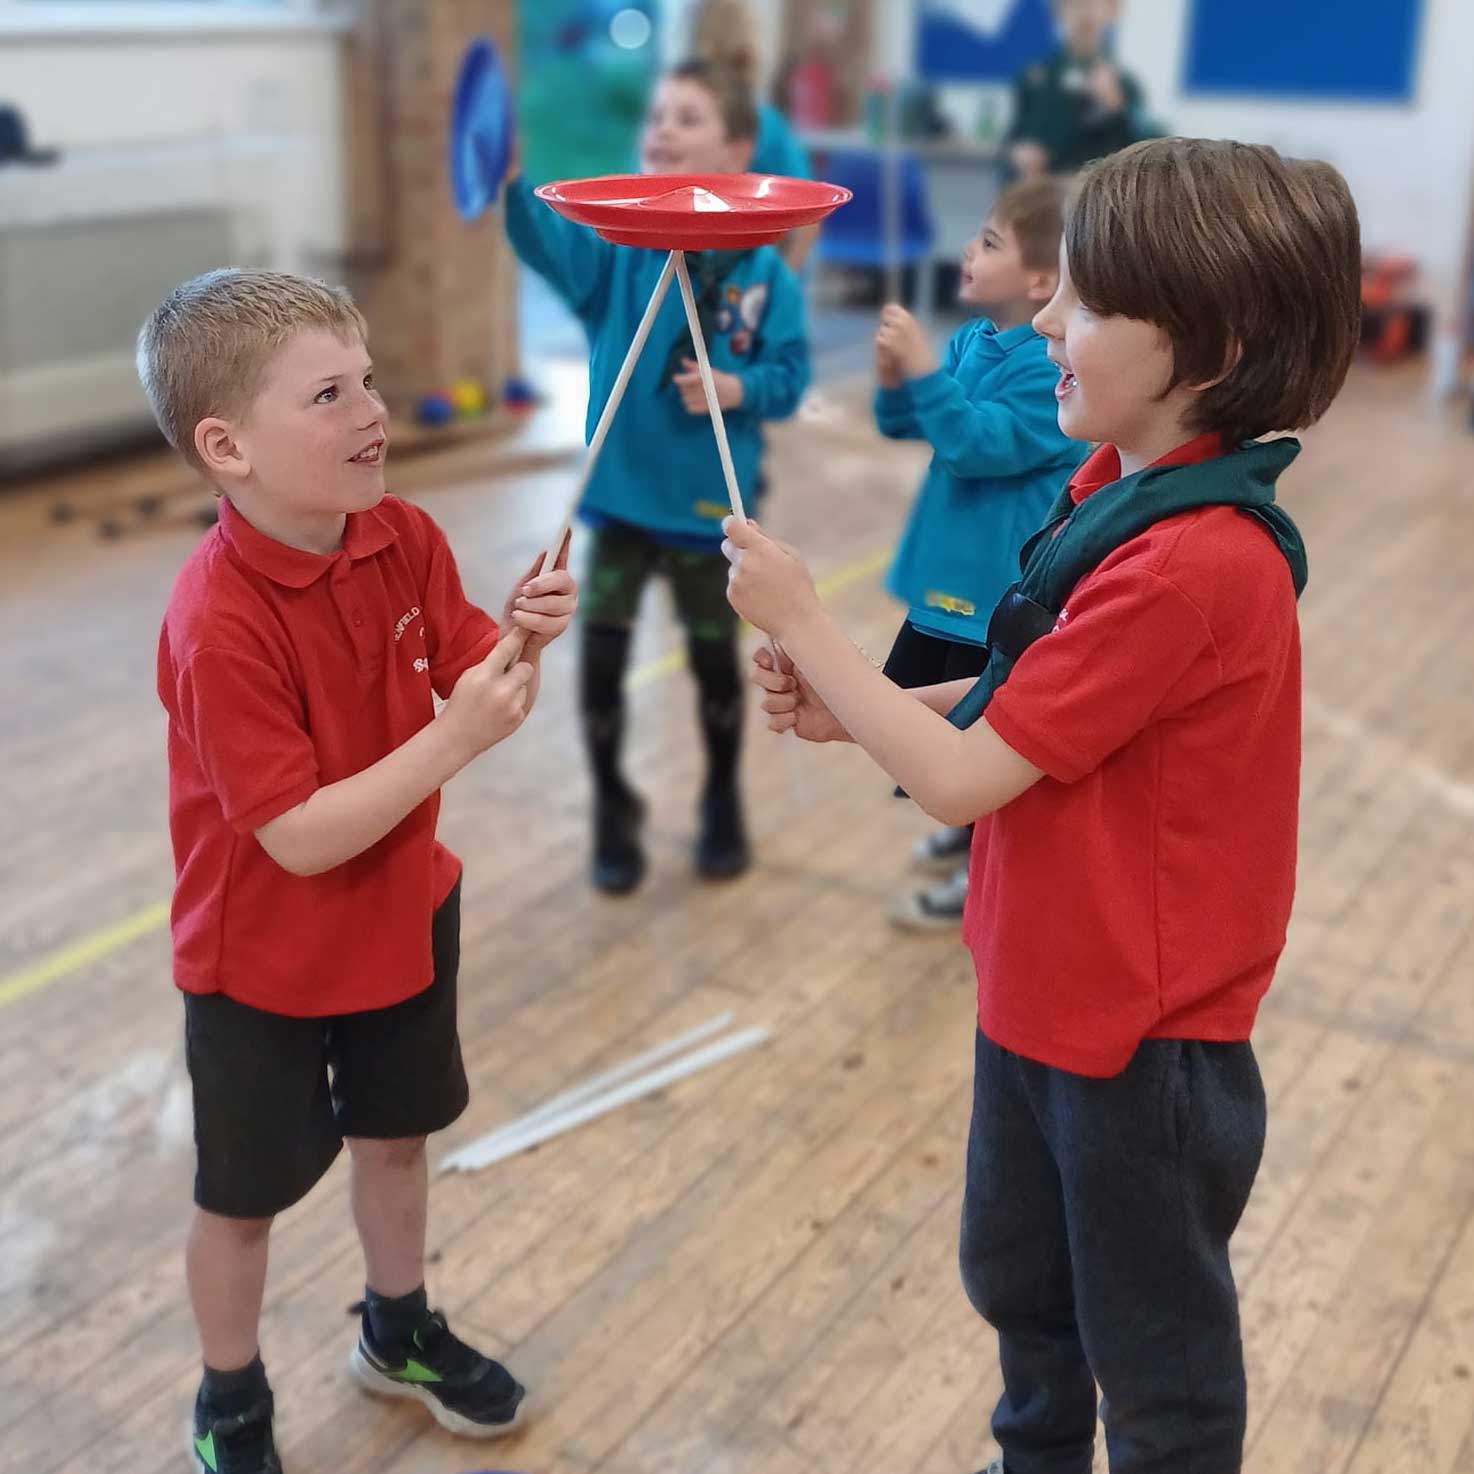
pixel 753 1273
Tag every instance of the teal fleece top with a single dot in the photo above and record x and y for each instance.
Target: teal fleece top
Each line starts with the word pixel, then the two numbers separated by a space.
pixel 1000 458
pixel 777 149
pixel 1076 539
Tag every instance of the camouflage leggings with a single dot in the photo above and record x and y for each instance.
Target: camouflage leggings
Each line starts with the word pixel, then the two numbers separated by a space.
pixel 620 564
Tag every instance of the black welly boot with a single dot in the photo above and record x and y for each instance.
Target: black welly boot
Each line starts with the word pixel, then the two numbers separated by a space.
pixel 722 851
pixel 722 848
pixel 618 863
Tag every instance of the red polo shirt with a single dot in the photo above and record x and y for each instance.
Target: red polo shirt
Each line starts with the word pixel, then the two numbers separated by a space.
pixel 283 671
pixel 1143 887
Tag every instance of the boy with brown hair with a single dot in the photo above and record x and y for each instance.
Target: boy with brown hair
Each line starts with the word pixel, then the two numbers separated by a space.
pixel 1000 455
pixel 1135 774
pixel 656 499
pixel 316 917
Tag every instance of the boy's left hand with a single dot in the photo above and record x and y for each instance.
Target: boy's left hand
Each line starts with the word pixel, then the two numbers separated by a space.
pixel 888 373
pixel 769 585
pixel 904 340
pixel 693 396
pixel 543 604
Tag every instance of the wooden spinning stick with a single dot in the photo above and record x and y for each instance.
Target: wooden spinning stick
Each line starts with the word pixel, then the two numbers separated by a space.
pixel 675 264
pixel 611 405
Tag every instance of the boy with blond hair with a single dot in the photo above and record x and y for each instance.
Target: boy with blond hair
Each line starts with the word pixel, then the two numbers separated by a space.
pixel 316 917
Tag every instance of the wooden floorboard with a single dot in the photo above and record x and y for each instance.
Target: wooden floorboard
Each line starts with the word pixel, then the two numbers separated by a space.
pixel 754 1270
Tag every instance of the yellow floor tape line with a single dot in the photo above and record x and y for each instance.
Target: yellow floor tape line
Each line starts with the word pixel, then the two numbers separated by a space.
pixel 78 954
pixel 674 660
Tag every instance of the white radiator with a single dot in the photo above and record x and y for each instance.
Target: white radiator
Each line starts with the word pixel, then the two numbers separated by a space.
pixel 87 249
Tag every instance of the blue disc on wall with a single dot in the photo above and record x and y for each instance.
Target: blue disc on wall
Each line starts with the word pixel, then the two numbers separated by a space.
pixel 481 130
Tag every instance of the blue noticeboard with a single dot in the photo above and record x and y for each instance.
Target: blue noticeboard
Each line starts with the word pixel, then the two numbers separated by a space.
pixel 1333 50
pixel 981 40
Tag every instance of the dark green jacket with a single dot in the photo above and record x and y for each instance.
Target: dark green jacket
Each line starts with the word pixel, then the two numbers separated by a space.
pixel 1066 120
pixel 1076 540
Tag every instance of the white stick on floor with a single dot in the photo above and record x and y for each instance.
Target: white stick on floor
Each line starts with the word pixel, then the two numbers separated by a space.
pixel 605 1080
pixel 477 1155
pixel 611 405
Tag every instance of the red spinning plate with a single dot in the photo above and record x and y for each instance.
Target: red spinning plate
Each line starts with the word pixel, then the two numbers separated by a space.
pixel 693 212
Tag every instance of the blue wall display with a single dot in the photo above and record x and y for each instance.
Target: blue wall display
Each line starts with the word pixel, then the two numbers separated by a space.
pixel 1335 50
pixel 981 40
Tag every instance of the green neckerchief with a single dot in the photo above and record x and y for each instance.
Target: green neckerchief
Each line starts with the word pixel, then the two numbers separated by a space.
pixel 709 269
pixel 1076 540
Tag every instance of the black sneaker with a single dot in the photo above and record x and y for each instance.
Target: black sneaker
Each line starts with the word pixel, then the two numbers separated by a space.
pixel 943 850
pixel 619 861
pixel 239 1443
pixel 466 1393
pixel 722 852
pixel 937 908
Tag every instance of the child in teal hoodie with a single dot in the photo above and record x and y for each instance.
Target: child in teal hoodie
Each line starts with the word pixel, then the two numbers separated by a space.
pixel 1000 458
pixel 657 497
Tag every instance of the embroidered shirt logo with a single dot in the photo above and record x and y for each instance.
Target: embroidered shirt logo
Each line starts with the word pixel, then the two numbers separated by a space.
pixel 422 664
pixel 404 622
pixel 950 604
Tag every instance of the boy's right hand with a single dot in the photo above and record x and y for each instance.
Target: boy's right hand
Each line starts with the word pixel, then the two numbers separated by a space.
pixel 489 701
pixel 791 703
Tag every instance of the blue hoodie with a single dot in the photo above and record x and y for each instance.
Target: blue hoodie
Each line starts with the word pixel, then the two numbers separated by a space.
pixel 659 469
pixel 990 415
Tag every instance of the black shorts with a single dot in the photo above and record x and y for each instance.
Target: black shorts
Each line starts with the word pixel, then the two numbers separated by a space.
pixel 275 1096
pixel 921 659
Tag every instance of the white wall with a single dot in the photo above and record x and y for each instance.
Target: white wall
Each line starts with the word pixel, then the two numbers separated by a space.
pixel 153 89
pixel 893 39
pixel 226 123
pixel 1411 167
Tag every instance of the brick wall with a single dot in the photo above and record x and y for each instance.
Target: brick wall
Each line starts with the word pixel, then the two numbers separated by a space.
pixel 439 294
